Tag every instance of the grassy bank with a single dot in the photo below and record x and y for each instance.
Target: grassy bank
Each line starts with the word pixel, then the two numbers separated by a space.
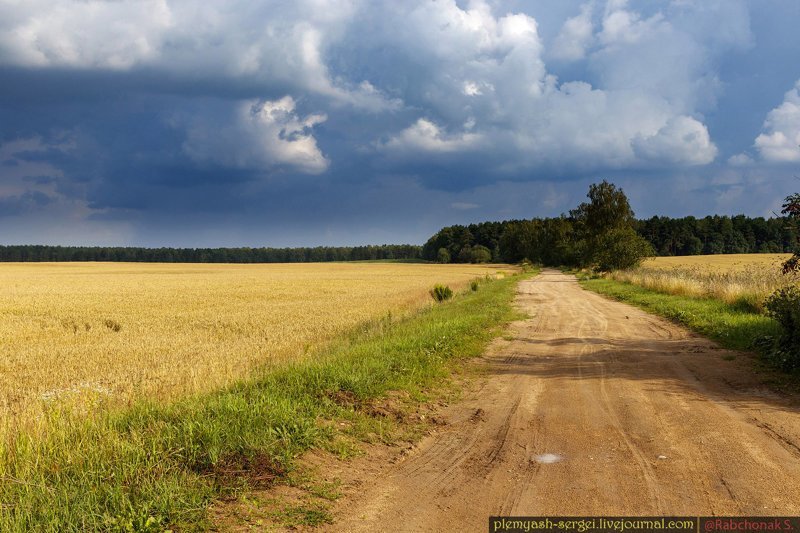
pixel 732 325
pixel 154 466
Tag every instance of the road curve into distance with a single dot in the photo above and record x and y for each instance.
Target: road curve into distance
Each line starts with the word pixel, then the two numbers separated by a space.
pixel 592 407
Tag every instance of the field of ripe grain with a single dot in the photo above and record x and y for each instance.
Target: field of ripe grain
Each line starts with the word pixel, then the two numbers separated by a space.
pixel 99 333
pixel 720 263
pixel 745 279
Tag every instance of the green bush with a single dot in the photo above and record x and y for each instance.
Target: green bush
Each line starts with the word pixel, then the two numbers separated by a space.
pixel 474 254
pixel 441 293
pixel 480 254
pixel 784 307
pixel 620 248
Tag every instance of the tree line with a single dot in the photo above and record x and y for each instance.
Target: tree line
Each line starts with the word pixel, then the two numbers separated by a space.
pixel 211 255
pixel 564 240
pixel 718 235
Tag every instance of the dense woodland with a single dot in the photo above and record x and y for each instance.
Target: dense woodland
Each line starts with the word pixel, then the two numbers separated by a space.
pixel 718 235
pixel 546 240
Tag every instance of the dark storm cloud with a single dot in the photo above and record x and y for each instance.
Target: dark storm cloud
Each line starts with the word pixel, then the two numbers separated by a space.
pixel 174 122
pixel 26 86
pixel 23 203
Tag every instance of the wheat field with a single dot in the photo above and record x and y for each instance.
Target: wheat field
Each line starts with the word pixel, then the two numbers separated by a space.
pixel 736 278
pixel 110 333
pixel 720 262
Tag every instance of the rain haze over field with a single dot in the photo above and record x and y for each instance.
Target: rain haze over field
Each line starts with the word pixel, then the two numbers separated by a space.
pixel 312 122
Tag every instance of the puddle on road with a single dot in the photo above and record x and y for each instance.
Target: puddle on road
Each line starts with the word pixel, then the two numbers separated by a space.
pixel 548 458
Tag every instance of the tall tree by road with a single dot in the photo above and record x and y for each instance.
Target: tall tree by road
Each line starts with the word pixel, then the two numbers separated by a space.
pixel 604 227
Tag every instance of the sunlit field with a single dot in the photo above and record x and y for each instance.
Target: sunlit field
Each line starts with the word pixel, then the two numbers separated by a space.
pixel 720 262
pixel 100 333
pixel 745 279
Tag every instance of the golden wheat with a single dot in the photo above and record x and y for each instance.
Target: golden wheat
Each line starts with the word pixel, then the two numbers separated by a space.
pixel 736 278
pixel 720 262
pixel 115 332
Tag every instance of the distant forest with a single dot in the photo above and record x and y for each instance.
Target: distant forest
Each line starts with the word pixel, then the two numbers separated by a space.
pixel 543 240
pixel 481 242
pixel 211 255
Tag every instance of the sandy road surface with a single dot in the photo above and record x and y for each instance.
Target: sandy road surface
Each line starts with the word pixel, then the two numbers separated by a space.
pixel 595 407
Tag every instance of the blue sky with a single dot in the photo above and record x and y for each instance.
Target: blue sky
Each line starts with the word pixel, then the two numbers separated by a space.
pixel 306 122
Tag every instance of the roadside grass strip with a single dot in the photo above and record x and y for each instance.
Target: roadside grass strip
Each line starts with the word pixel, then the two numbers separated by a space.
pixel 732 326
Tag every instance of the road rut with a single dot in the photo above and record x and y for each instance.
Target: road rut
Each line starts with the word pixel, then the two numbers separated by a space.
pixel 594 407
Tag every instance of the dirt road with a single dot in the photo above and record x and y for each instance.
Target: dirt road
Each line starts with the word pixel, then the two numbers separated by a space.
pixel 594 407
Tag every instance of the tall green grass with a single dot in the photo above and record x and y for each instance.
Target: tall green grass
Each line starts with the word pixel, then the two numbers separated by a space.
pixel 733 325
pixel 151 466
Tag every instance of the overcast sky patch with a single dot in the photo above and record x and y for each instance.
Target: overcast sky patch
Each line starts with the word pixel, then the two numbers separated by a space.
pixel 169 122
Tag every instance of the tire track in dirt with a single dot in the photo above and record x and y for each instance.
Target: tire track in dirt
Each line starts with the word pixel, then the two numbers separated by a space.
pixel 593 407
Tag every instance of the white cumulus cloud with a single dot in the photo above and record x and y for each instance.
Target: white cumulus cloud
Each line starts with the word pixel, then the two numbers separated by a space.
pixel 575 37
pixel 114 35
pixel 264 135
pixel 426 136
pixel 271 43
pixel 681 140
pixel 444 76
pixel 740 160
pixel 489 71
pixel 780 140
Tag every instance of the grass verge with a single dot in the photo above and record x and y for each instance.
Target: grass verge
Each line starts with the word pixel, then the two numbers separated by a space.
pixel 732 326
pixel 153 467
